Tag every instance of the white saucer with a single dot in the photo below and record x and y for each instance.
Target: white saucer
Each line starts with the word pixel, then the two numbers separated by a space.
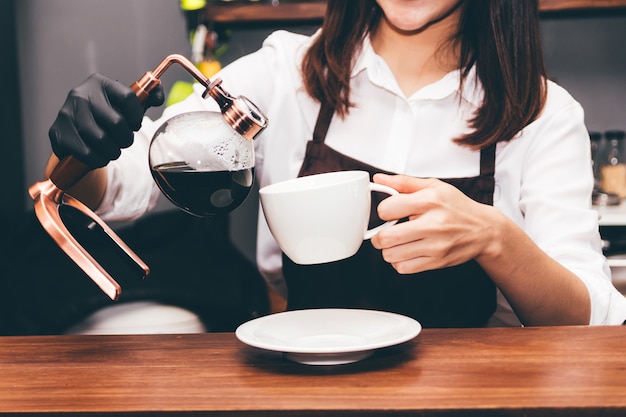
pixel 328 336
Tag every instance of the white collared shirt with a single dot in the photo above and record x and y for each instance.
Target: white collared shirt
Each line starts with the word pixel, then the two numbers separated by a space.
pixel 543 177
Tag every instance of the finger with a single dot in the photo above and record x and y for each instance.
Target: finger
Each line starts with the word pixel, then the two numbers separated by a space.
pixel 65 139
pixel 156 97
pixel 115 109
pixel 399 234
pixel 116 126
pixel 408 205
pixel 404 183
pixel 410 257
pixel 417 196
pixel 418 255
pixel 415 265
pixel 122 98
pixel 97 145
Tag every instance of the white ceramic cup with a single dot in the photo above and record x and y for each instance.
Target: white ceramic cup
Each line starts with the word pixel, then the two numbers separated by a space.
pixel 321 218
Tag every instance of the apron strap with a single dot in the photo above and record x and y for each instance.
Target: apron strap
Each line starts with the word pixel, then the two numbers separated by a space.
pixel 323 122
pixel 488 160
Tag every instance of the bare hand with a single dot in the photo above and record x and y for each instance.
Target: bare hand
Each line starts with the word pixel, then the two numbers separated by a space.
pixel 445 227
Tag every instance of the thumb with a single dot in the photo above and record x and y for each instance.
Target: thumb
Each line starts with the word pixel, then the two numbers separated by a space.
pixel 404 183
pixel 156 97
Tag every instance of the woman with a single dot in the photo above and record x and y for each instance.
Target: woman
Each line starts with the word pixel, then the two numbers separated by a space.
pixel 445 100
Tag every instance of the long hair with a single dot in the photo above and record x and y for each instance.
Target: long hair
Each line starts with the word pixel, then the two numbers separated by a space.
pixel 500 38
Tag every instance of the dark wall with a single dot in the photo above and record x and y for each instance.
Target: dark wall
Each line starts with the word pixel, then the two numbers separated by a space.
pixel 11 167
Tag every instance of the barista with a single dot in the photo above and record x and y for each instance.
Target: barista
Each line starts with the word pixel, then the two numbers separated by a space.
pixel 450 100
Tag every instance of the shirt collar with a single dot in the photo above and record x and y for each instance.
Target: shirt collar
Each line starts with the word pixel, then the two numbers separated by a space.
pixel 379 74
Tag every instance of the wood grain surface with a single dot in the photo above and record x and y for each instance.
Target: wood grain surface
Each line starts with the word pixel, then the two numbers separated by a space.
pixel 551 371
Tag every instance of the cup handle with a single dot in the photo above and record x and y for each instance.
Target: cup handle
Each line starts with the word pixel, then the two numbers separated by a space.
pixel 383 189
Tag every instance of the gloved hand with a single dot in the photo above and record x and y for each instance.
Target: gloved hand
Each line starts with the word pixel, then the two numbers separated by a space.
pixel 97 120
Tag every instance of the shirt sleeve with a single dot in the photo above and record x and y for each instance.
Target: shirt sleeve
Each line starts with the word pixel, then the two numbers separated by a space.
pixel 555 199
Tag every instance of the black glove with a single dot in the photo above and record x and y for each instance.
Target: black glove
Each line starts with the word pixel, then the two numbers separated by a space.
pixel 97 120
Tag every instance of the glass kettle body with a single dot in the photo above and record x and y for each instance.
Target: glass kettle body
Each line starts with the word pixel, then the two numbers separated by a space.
pixel 201 163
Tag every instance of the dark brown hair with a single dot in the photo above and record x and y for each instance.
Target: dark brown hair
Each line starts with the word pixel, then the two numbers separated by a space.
pixel 501 38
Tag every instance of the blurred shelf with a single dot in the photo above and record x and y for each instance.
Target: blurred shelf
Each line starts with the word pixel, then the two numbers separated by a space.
pixel 573 5
pixel 612 215
pixel 237 12
pixel 263 12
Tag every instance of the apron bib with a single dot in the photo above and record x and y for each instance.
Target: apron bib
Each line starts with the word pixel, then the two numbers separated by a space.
pixel 458 296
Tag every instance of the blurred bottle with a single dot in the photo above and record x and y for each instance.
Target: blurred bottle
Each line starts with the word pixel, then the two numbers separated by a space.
pixel 596 142
pixel 613 169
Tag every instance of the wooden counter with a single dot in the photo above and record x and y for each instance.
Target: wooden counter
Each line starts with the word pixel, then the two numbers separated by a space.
pixel 552 371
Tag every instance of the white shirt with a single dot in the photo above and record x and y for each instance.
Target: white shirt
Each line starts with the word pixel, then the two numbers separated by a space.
pixel 543 177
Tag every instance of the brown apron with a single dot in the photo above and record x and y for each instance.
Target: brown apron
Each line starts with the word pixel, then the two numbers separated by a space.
pixel 459 296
